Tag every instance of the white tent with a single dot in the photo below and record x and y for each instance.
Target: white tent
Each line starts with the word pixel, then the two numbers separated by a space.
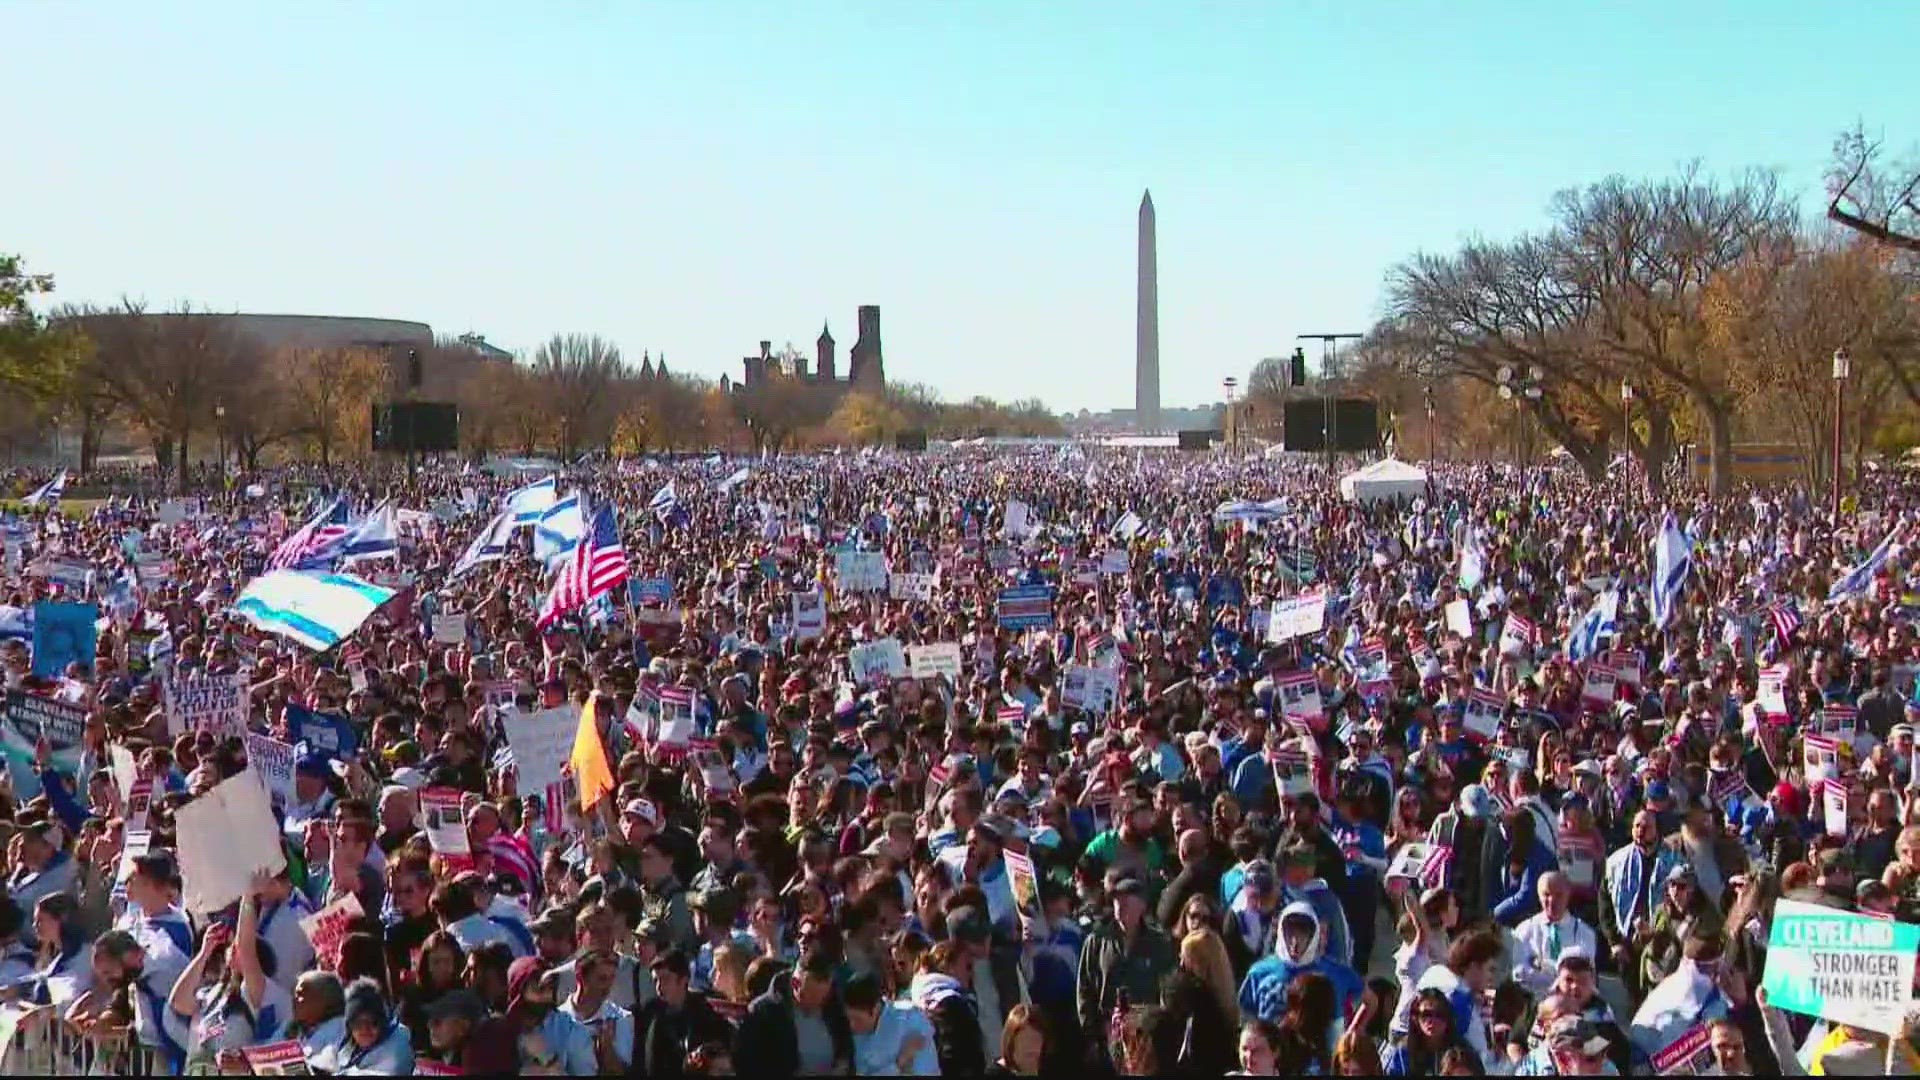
pixel 1388 479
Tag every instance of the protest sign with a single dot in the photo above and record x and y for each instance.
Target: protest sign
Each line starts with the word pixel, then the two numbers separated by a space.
pixel 327 928
pixel 215 703
pixel 1841 967
pixel 877 661
pixel 450 629
pixel 223 838
pixel 1460 618
pixel 1821 757
pixel 936 659
pixel 1025 607
pixel 861 571
pixel 1833 800
pixel 1726 788
pixel 912 586
pixel 1482 715
pixel 1772 694
pixel 1091 688
pixel 1026 893
pixel 286 1058
pixel 1516 636
pixel 809 615
pixel 324 733
pixel 1297 616
pixel 273 760
pixel 1415 861
pixel 1299 694
pixel 1113 561
pixel 1580 860
pixel 61 723
pixel 542 744
pixel 1019 520
pixel 445 824
pixel 63 634
pixel 652 590
pixel 1839 720
pixel 1689 1055
pixel 1000 559
pixel 1601 684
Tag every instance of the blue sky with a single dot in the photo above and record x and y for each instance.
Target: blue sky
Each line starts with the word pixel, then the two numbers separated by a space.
pixel 693 176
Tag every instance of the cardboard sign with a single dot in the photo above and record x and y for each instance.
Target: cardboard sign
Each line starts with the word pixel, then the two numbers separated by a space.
pixel 1516 636
pixel 223 837
pixel 1821 758
pixel 1415 861
pixel 912 586
pixel 1114 562
pixel 273 760
pixel 1846 968
pixel 285 1058
pixel 1299 694
pixel 1839 720
pixel 1833 800
pixel 1297 616
pixel 1026 607
pixel 1460 618
pixel 878 661
pixel 1689 1055
pixel 327 928
pixel 216 703
pixel 1026 893
pixel 1601 685
pixel 1091 688
pixel 935 660
pixel 809 615
pixel 444 822
pixel 861 571
pixel 450 629
pixel 1482 715
pixel 1580 860
pixel 61 723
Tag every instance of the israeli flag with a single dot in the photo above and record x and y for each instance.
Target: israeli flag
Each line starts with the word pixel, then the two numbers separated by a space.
pixel 739 477
pixel 376 536
pixel 527 504
pixel 559 530
pixel 489 545
pixel 1857 580
pixel 315 610
pixel 160 648
pixel 1600 621
pixel 665 504
pixel 48 492
pixel 1672 560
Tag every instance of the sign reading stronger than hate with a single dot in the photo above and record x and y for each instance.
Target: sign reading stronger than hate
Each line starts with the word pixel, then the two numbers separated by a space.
pixel 1026 607
pixel 1851 969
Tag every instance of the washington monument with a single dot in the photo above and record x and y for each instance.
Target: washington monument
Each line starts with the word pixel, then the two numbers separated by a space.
pixel 1146 349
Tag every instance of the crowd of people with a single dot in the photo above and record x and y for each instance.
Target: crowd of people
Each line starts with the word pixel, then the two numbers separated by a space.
pixel 974 762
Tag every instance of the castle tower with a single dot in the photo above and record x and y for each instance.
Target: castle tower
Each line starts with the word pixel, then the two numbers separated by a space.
pixel 823 364
pixel 1146 326
pixel 865 368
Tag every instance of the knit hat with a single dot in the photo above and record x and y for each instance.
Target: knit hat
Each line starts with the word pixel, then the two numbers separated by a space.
pixel 363 998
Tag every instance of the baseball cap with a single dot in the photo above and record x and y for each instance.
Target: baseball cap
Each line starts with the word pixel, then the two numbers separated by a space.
pixel 642 809
pixel 1576 1033
pixel 1476 801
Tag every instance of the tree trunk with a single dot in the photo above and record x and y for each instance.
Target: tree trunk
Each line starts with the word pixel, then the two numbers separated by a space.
pixel 89 442
pixel 1657 450
pixel 1719 420
pixel 163 458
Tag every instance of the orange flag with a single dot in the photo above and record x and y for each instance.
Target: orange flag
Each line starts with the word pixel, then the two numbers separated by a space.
pixel 589 760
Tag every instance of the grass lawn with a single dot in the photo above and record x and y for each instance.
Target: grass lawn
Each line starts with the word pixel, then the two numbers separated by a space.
pixel 73 508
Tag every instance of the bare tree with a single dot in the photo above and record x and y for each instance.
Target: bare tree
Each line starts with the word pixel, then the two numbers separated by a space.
pixel 1872 197
pixel 328 393
pixel 577 374
pixel 168 371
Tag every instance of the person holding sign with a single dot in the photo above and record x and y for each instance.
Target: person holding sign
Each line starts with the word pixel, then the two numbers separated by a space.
pixel 227 998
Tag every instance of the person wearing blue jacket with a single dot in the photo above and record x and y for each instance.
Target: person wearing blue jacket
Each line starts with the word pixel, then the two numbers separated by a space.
pixel 1298 885
pixel 1513 860
pixel 1299 950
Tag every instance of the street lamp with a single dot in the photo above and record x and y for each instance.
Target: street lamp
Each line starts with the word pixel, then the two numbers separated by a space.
pixel 1842 368
pixel 1626 435
pixel 1230 387
pixel 220 427
pixel 1515 388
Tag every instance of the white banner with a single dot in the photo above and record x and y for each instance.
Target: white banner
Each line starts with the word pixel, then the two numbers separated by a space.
pixel 877 661
pixel 861 571
pixel 273 760
pixel 932 661
pixel 223 838
pixel 216 703
pixel 809 615
pixel 912 586
pixel 1298 616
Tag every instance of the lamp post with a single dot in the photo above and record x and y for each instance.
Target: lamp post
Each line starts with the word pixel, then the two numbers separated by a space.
pixel 1428 393
pixel 1626 435
pixel 1842 368
pixel 1518 389
pixel 1230 387
pixel 220 428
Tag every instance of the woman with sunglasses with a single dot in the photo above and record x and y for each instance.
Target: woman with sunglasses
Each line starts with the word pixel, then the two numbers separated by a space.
pixel 1430 1034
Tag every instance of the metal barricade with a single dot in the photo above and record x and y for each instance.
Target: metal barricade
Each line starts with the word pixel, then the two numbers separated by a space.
pixel 44 1045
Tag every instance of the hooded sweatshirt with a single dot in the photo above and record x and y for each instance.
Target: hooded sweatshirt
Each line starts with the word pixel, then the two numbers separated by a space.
pixel 877 1052
pixel 955 1021
pixel 1264 991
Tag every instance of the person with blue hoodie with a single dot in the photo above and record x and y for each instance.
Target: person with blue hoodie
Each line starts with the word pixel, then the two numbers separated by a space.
pixel 1299 885
pixel 1299 949
pixel 1515 859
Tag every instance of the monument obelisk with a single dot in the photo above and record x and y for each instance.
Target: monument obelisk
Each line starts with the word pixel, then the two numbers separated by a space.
pixel 1146 348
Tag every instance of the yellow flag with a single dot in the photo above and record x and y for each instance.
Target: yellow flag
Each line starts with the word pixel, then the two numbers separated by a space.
pixel 589 760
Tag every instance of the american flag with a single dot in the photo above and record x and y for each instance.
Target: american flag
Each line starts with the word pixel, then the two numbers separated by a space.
pixel 327 528
pixel 1786 619
pixel 598 565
